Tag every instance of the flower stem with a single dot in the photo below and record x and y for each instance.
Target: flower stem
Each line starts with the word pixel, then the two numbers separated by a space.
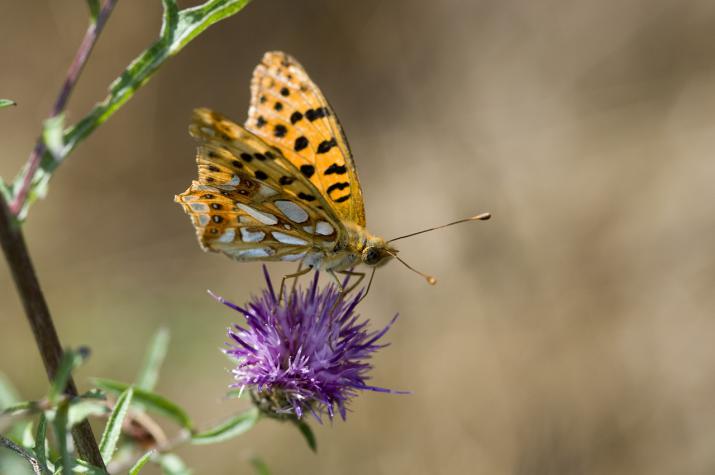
pixel 38 315
pixel 73 73
pixel 5 442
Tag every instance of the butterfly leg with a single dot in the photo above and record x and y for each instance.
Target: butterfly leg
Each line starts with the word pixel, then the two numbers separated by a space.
pixel 295 276
pixel 360 276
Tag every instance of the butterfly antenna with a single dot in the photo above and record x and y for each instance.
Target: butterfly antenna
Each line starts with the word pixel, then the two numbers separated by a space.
pixel 479 217
pixel 430 280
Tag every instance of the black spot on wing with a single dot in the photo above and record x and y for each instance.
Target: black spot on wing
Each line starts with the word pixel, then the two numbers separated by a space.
pixel 300 143
pixel 337 186
pixel 306 197
pixel 280 130
pixel 318 113
pixel 260 122
pixel 261 175
pixel 284 91
pixel 295 117
pixel 286 180
pixel 247 157
pixel 342 198
pixel 337 169
pixel 307 170
pixel 326 145
pixel 278 106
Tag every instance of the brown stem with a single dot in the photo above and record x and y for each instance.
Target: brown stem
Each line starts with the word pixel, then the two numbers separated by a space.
pixel 38 314
pixel 75 69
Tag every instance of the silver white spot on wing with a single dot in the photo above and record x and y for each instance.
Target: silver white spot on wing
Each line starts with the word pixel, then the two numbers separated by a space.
pixel 265 218
pixel 252 236
pixel 235 180
pixel 253 253
pixel 228 236
pixel 292 257
pixel 292 211
pixel 204 219
pixel 266 191
pixel 288 239
pixel 324 228
pixel 309 229
pixel 199 207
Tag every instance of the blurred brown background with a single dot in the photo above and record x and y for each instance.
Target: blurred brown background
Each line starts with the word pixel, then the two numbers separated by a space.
pixel 571 334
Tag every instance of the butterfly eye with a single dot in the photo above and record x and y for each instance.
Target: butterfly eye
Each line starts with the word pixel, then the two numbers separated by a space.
pixel 371 256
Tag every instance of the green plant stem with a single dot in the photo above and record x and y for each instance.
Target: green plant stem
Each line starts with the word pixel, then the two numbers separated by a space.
pixel 38 315
pixel 73 73
pixel 5 442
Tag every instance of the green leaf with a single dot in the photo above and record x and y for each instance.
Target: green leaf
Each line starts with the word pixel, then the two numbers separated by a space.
pixel 70 360
pixel 7 103
pixel 59 425
pixel 307 432
pixel 82 409
pixel 149 372
pixel 24 406
pixel 28 436
pixel 228 429
pixel 8 394
pixel 178 29
pixel 150 400
pixel 40 443
pixel 84 467
pixel 53 135
pixel 93 9
pixel 172 465
pixel 111 434
pixel 260 467
pixel 141 462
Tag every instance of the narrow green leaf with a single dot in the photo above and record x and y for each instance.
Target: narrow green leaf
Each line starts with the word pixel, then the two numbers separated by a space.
pixel 141 462
pixel 40 443
pixel 113 430
pixel 260 467
pixel 7 103
pixel 82 409
pixel 172 465
pixel 70 360
pixel 53 135
pixel 28 436
pixel 93 9
pixel 24 406
pixel 59 425
pixel 84 467
pixel 178 29
pixel 150 400
pixel 169 20
pixel 8 394
pixel 307 433
pixel 156 352
pixel 228 429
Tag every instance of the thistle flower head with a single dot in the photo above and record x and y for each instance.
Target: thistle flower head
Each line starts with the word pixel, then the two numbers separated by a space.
pixel 305 353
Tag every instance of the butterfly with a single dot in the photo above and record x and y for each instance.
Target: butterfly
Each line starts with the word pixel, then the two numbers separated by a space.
pixel 284 186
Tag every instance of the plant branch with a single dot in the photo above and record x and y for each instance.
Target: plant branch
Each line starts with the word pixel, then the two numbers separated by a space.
pixel 5 442
pixel 75 69
pixel 38 315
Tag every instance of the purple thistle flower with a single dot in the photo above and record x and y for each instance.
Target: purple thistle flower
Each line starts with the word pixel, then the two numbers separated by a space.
pixel 306 353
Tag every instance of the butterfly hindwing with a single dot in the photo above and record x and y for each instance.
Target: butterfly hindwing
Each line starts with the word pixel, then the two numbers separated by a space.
pixel 289 112
pixel 249 201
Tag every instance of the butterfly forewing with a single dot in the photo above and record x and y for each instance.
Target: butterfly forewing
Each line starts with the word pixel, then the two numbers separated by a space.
pixel 249 201
pixel 289 111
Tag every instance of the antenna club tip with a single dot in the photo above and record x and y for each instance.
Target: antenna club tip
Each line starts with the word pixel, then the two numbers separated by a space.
pixel 431 280
pixel 481 217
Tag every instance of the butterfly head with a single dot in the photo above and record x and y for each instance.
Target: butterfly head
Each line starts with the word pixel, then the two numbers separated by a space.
pixel 377 252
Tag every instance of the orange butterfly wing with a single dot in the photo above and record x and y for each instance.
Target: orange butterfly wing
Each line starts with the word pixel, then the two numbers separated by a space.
pixel 289 112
